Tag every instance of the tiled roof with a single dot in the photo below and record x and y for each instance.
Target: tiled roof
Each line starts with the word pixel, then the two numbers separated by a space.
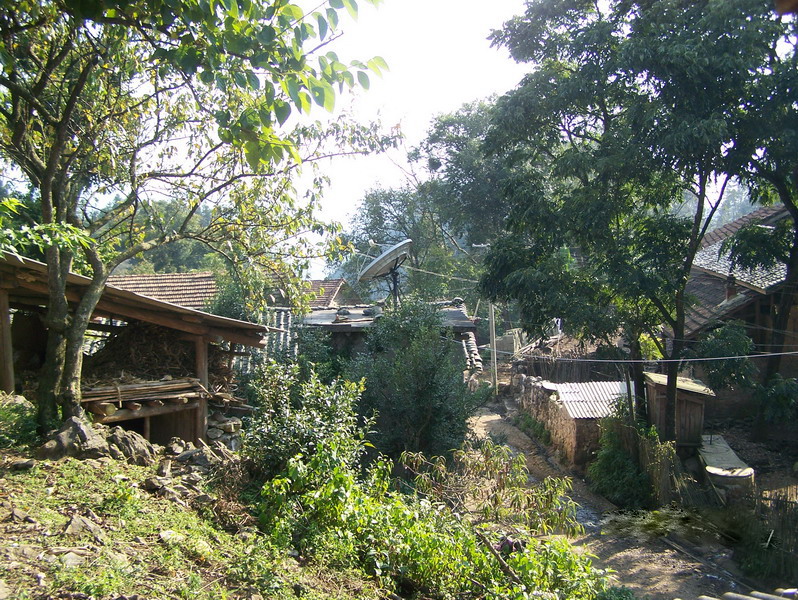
pixel 709 258
pixel 706 293
pixel 706 289
pixel 590 400
pixel 332 292
pixel 190 290
pixel 765 215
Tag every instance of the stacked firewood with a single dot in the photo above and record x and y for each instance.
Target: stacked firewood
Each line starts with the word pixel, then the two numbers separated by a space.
pixel 143 351
pixel 109 400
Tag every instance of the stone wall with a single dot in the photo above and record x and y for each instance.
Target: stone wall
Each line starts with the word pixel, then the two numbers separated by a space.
pixel 574 440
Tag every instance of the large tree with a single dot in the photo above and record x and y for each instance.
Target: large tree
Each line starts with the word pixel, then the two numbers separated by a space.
pixel 630 106
pixel 185 100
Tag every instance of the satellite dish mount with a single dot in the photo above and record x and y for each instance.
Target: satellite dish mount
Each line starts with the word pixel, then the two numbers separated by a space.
pixel 387 265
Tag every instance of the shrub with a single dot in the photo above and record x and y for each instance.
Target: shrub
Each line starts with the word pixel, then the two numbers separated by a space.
pixel 415 543
pixel 17 422
pixel 533 428
pixel 296 417
pixel 414 383
pixel 615 475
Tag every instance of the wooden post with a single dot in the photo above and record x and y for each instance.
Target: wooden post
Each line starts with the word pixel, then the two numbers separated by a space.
pixel 147 428
pixel 6 348
pixel 494 368
pixel 201 352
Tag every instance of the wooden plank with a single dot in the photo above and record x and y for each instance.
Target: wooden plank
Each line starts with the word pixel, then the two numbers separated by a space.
pixel 6 347
pixel 201 427
pixel 201 360
pixel 147 411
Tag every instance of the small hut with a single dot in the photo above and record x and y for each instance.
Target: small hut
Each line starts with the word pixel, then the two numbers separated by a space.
pixel 691 395
pixel 154 365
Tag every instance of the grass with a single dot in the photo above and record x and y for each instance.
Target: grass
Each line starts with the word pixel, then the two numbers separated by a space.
pixel 201 561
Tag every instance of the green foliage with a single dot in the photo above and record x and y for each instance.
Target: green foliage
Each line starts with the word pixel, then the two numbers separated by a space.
pixel 606 139
pixel 17 423
pixel 616 593
pixel 728 340
pixel 533 428
pixel 778 398
pixel 413 373
pixel 407 542
pixel 616 476
pixel 295 417
pixel 490 484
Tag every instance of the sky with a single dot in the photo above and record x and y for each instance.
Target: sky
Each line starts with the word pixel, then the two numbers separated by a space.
pixel 439 58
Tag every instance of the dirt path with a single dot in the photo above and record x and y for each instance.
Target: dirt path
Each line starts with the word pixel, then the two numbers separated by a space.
pixel 652 567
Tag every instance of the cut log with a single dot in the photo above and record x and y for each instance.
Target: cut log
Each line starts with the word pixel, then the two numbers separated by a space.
pixel 154 402
pixel 178 400
pixel 105 409
pixel 133 405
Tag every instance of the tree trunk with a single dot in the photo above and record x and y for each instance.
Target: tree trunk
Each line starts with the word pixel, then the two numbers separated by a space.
pixel 59 386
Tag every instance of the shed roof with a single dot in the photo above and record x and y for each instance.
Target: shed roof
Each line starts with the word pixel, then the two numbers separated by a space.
pixel 26 281
pixel 682 383
pixel 588 400
pixel 361 317
pixel 190 290
pixel 765 215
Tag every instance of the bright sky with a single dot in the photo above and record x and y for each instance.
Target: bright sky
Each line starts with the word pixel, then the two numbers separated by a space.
pixel 439 59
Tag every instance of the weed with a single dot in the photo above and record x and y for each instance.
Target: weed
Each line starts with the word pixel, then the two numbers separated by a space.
pixel 17 423
pixel 533 428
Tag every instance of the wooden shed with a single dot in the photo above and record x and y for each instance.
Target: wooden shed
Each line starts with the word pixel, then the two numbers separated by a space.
pixel 168 406
pixel 691 395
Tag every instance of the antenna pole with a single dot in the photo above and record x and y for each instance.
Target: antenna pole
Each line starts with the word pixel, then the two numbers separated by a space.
pixel 395 279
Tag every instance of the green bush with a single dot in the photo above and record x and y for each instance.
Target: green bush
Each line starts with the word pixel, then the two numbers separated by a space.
pixel 414 383
pixel 615 475
pixel 413 543
pixel 295 417
pixel 17 422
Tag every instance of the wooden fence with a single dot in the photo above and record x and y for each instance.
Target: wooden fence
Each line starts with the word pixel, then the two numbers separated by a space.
pixel 778 510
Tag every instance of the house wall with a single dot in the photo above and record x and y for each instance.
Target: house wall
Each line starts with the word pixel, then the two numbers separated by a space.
pixel 575 440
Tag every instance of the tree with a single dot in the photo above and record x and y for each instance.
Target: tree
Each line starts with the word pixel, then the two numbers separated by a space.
pixel 468 182
pixel 630 105
pixel 437 266
pixel 414 383
pixel 180 99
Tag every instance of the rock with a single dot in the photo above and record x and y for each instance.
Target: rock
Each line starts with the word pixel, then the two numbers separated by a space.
pixel 204 499
pixel 79 525
pixel 165 468
pixel 22 464
pixel 156 483
pixel 116 453
pixel 171 537
pixel 214 433
pixel 75 438
pixel 182 490
pixel 21 516
pixel 175 446
pixel 71 560
pixel 135 448
pixel 5 591
pixel 231 426
pixel 192 479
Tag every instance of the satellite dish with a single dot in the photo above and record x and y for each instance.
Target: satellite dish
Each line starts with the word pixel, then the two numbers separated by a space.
pixel 387 265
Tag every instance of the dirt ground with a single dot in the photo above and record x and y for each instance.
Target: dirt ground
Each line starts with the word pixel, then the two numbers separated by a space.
pixel 654 568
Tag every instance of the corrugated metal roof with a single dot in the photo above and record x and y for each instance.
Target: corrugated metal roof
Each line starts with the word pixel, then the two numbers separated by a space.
pixel 682 383
pixel 589 400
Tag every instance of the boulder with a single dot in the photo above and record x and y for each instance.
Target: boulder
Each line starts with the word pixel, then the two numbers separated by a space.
pixel 133 446
pixel 76 438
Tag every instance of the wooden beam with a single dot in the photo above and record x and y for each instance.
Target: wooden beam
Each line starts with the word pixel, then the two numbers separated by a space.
pixel 6 347
pixel 146 411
